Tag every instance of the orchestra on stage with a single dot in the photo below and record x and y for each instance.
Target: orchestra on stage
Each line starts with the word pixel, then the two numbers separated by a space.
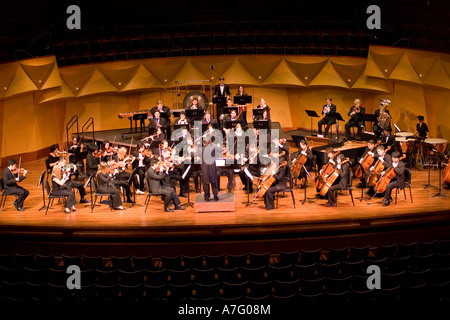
pixel 173 151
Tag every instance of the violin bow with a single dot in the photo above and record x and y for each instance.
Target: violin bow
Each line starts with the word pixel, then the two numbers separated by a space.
pixel 20 163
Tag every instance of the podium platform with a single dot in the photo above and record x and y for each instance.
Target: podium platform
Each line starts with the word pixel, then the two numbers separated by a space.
pixel 225 203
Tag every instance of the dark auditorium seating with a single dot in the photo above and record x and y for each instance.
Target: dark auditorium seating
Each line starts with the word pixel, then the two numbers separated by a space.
pixel 409 272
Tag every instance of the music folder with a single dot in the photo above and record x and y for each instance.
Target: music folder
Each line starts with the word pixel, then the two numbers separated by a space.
pixel 228 124
pixel 227 110
pixel 220 100
pixel 242 100
pixel 205 125
pixel 261 124
pixel 257 112
pixel 195 113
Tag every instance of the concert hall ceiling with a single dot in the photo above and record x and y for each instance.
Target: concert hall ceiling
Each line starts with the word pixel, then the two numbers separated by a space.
pixel 375 74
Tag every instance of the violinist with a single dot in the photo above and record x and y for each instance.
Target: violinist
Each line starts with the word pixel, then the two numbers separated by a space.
pixel 105 185
pixel 60 188
pixel 343 180
pixel 11 176
pixel 107 152
pixel 329 116
pixel 306 152
pixel 154 175
pixel 385 159
pixel 356 114
pixel 398 181
pixel 77 152
pixel 121 178
pixel 140 164
pixel 73 183
pixel 331 155
pixel 54 156
pixel 92 160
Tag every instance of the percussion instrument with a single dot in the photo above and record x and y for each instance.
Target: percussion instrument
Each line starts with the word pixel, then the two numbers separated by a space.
pixel 405 144
pixel 439 144
pixel 404 134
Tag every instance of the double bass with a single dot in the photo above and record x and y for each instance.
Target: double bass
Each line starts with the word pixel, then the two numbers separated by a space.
pixel 367 161
pixel 267 180
pixel 331 179
pixel 325 172
pixel 375 174
pixel 389 174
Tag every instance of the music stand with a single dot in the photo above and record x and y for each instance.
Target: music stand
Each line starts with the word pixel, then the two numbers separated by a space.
pixel 220 100
pixel 440 194
pixel 227 110
pixel 312 114
pixel 195 114
pixel 430 149
pixel 248 181
pixel 205 125
pixel 41 183
pixel 189 203
pixel 257 113
pixel 242 100
pixel 261 124
pixel 370 117
pixel 338 118
pixel 228 124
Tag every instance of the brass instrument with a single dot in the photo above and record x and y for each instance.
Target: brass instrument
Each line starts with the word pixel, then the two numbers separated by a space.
pixel 384 119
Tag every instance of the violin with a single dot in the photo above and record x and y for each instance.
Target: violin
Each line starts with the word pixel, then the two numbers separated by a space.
pixel 375 174
pixel 98 153
pixel 325 172
pixel 365 164
pixel 21 170
pixel 389 174
pixel 331 179
pixel 147 153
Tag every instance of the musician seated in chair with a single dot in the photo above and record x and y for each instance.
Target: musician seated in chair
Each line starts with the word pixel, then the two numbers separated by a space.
pixel 398 181
pixel 357 119
pixel 329 113
pixel 154 175
pixel 277 185
pixel 343 180
pixel 387 140
pixel 10 180
pixel 371 151
pixel 385 159
pixel 384 119
pixel 157 122
pixel 305 151
pixel 330 154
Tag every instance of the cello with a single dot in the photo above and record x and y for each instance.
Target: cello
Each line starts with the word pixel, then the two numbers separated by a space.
pixel 325 172
pixel 298 164
pixel 365 164
pixel 373 177
pixel 331 179
pixel 267 180
pixel 382 183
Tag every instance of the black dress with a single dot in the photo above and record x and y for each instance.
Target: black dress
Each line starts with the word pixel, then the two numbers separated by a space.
pixel 63 190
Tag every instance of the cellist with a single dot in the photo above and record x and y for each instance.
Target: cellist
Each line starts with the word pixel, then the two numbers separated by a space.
pixel 278 184
pixel 398 181
pixel 305 151
pixel 371 151
pixel 330 154
pixel 343 181
pixel 385 159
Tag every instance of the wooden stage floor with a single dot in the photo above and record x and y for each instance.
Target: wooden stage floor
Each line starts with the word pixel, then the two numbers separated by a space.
pixel 254 227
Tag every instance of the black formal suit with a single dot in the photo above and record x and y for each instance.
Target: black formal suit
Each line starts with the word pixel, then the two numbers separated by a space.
pixel 388 141
pixel 224 92
pixel 91 164
pixel 375 158
pixel 209 176
pixel 155 181
pixel 356 120
pixel 105 185
pixel 164 114
pixel 377 130
pixel 307 165
pixel 342 182
pixel 279 184
pixel 12 188
pixel 153 124
pixel 328 119
pixel 397 182
pixel 141 167
pixel 386 161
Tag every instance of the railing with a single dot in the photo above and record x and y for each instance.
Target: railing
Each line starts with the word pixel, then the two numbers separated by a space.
pixel 73 121
pixel 86 125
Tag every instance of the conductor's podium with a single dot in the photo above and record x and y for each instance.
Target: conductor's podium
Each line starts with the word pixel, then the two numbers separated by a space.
pixel 225 203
